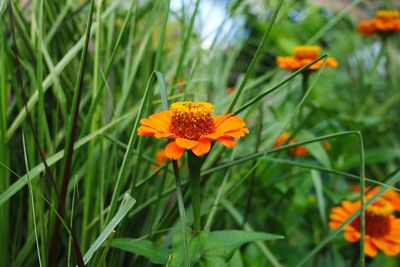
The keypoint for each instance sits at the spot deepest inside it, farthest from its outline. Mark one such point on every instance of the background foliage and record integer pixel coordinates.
(136, 56)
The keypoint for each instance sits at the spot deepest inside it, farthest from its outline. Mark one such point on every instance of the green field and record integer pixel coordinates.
(212, 133)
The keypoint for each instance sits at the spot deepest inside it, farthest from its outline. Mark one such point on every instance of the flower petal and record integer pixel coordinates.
(227, 141)
(388, 247)
(203, 147)
(351, 237)
(173, 151)
(219, 119)
(186, 143)
(370, 249)
(230, 124)
(236, 133)
(146, 131)
(157, 124)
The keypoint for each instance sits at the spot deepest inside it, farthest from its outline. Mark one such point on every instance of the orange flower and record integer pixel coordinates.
(304, 55)
(385, 21)
(191, 126)
(295, 151)
(231, 90)
(326, 144)
(160, 158)
(382, 228)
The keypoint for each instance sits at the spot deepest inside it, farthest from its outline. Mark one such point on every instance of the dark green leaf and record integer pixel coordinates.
(143, 248)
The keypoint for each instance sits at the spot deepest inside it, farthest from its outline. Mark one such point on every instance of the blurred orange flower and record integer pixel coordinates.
(231, 90)
(382, 228)
(304, 55)
(160, 158)
(191, 126)
(385, 21)
(326, 144)
(295, 151)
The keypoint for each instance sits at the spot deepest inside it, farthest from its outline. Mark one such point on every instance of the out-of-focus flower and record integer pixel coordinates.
(160, 158)
(191, 126)
(326, 144)
(230, 90)
(304, 55)
(385, 22)
(382, 228)
(295, 151)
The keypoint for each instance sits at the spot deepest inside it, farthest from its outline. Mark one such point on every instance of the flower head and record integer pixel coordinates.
(191, 126)
(385, 22)
(295, 151)
(304, 55)
(382, 228)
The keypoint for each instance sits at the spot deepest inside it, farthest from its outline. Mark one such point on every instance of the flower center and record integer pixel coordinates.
(377, 220)
(307, 52)
(387, 14)
(192, 119)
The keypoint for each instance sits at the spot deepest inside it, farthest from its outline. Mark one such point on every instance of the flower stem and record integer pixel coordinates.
(304, 82)
(194, 163)
(304, 87)
(181, 207)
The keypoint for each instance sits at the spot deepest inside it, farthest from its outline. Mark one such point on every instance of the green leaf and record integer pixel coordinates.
(223, 244)
(142, 247)
(196, 246)
(127, 204)
(374, 155)
(3, 5)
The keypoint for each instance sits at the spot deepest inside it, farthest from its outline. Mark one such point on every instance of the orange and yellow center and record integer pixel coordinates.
(377, 219)
(192, 119)
(307, 52)
(387, 14)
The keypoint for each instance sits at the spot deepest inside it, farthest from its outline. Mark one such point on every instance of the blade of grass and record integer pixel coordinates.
(182, 213)
(277, 86)
(32, 202)
(126, 206)
(69, 145)
(257, 57)
(326, 170)
(185, 45)
(20, 183)
(57, 70)
(332, 22)
(103, 83)
(320, 195)
(4, 150)
(124, 166)
(92, 165)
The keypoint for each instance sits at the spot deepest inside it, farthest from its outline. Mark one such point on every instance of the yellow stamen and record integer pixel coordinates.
(192, 119)
(387, 14)
(307, 51)
(380, 207)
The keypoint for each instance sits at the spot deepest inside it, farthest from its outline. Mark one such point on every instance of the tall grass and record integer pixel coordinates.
(78, 186)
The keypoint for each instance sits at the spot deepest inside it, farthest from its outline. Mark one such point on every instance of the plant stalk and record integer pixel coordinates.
(194, 164)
